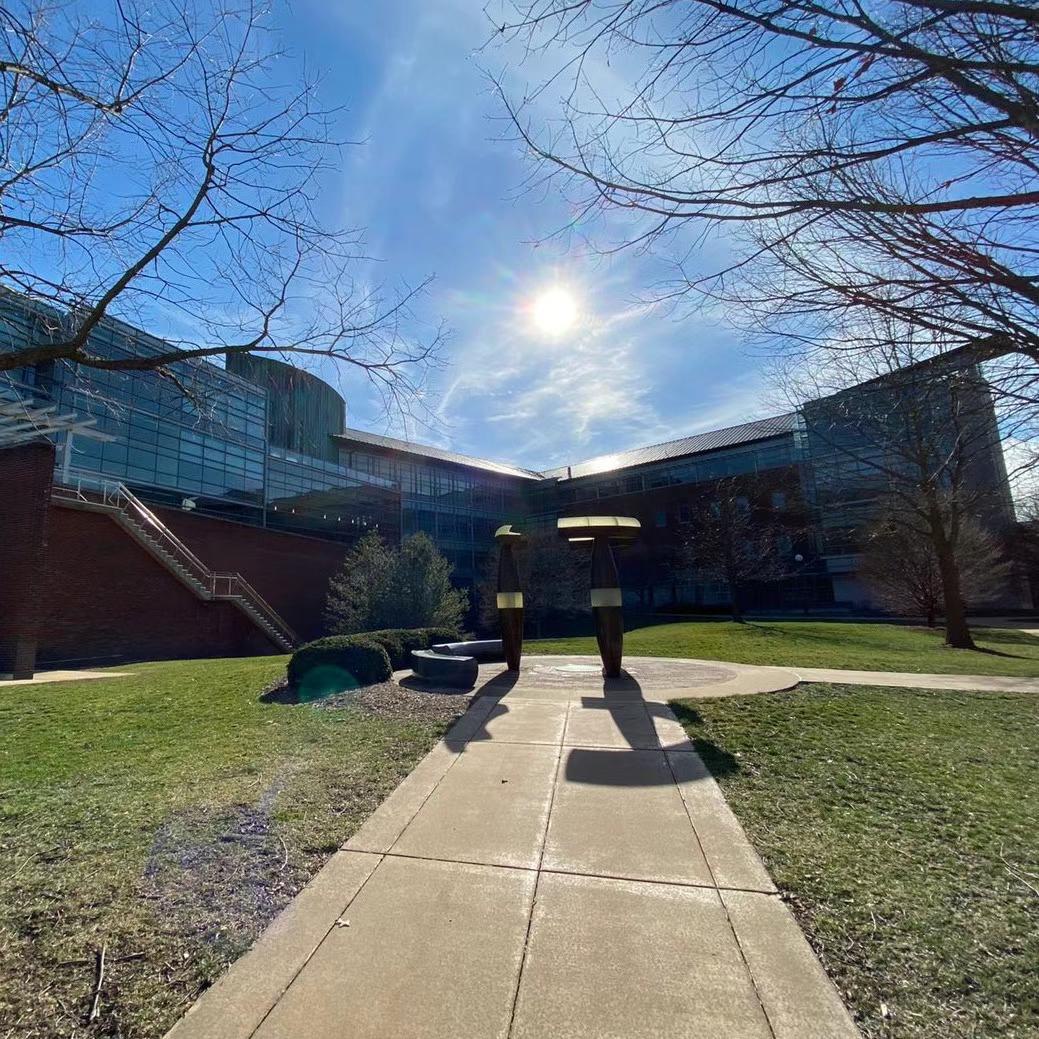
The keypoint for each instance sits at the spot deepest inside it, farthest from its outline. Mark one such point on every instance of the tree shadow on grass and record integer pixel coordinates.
(985, 651)
(1006, 637)
(771, 631)
(718, 760)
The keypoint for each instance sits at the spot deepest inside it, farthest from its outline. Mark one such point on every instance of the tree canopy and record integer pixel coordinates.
(382, 587)
(161, 164)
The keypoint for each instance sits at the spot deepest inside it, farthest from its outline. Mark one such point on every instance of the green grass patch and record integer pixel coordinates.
(167, 816)
(861, 647)
(903, 827)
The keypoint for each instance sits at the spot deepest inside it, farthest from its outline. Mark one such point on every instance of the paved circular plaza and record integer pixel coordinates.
(645, 678)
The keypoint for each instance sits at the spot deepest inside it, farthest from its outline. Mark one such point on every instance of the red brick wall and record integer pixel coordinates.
(106, 600)
(289, 570)
(25, 482)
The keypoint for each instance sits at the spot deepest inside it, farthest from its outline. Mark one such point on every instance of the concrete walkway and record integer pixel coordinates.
(46, 677)
(975, 683)
(561, 866)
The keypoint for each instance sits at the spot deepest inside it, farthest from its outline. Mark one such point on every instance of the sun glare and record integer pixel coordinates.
(554, 311)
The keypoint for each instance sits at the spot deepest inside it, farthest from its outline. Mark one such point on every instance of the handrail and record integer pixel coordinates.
(117, 495)
(247, 591)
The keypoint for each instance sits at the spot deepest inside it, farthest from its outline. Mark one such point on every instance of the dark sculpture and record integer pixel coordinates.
(510, 596)
(606, 590)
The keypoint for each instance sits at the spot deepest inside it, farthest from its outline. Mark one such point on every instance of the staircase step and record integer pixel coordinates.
(199, 584)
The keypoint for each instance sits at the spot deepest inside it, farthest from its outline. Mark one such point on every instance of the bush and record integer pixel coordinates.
(337, 663)
(399, 642)
(437, 635)
(389, 589)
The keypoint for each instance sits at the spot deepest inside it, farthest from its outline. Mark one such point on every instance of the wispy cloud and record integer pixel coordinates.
(441, 193)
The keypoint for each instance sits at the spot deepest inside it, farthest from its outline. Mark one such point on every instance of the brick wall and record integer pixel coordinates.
(289, 570)
(25, 482)
(106, 599)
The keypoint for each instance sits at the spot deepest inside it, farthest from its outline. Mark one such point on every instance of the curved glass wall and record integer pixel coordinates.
(304, 412)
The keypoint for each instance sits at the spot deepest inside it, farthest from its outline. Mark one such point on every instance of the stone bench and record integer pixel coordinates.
(485, 649)
(444, 668)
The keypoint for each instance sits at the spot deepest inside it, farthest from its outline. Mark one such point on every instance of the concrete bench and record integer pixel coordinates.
(445, 669)
(485, 649)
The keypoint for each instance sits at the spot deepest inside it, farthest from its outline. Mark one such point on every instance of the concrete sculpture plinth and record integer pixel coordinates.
(606, 589)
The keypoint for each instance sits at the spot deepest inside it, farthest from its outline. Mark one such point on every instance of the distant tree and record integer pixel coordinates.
(357, 591)
(555, 578)
(418, 590)
(733, 539)
(379, 587)
(915, 439)
(901, 567)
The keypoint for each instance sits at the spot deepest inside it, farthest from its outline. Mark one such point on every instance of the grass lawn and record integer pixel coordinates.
(169, 816)
(863, 647)
(903, 826)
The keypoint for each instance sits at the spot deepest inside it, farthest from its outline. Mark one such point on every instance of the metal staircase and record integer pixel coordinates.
(88, 491)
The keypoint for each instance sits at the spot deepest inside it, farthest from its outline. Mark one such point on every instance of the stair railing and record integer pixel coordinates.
(92, 489)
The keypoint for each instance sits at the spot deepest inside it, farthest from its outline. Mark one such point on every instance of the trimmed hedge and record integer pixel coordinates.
(349, 661)
(399, 642)
(343, 661)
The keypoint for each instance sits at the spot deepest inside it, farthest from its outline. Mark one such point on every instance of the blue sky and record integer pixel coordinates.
(441, 192)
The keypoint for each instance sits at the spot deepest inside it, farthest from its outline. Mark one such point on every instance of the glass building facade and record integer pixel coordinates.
(200, 432)
(459, 505)
(257, 442)
(260, 442)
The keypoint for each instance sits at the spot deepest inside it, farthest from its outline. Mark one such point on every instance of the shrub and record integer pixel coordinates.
(337, 663)
(387, 589)
(396, 643)
(435, 636)
(399, 642)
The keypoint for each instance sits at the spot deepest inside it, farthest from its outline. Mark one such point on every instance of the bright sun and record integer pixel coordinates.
(554, 311)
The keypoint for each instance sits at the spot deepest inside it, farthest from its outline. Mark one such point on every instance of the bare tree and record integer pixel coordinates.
(735, 538)
(901, 569)
(912, 439)
(865, 160)
(160, 164)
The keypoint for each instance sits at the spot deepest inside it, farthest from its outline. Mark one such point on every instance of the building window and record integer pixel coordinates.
(662, 518)
(684, 513)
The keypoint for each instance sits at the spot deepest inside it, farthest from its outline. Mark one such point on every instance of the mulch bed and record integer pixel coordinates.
(384, 699)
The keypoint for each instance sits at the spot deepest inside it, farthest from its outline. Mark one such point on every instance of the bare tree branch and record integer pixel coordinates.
(161, 164)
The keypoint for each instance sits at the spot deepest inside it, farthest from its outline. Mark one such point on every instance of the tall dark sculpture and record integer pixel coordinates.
(510, 596)
(606, 589)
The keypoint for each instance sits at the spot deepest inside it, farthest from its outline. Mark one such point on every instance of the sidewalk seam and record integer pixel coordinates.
(717, 889)
(321, 942)
(436, 785)
(537, 877)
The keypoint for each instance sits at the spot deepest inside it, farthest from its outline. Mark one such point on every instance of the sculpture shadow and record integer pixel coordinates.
(494, 688)
(499, 685)
(717, 759)
(642, 764)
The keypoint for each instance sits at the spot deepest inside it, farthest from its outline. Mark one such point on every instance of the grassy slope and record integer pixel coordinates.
(904, 825)
(865, 647)
(164, 813)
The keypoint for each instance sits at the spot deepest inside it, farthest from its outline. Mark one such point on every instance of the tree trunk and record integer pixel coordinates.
(931, 618)
(957, 631)
(737, 606)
